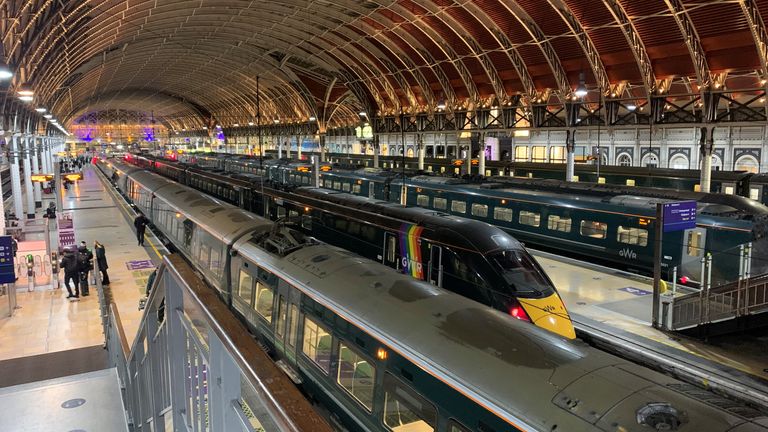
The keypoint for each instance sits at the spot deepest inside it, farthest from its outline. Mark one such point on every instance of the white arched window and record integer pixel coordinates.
(409, 152)
(650, 160)
(717, 163)
(624, 160)
(679, 161)
(747, 163)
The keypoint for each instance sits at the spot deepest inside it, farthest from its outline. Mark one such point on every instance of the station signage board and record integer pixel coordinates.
(42, 178)
(7, 273)
(678, 216)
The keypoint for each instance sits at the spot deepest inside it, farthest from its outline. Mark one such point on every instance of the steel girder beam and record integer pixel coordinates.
(692, 41)
(581, 35)
(759, 33)
(635, 45)
(563, 86)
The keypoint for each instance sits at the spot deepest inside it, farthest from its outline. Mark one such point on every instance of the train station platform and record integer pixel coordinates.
(612, 309)
(46, 321)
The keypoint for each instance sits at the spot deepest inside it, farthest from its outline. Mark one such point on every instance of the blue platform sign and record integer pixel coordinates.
(7, 273)
(679, 216)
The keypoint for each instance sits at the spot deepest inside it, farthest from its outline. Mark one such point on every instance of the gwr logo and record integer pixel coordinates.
(628, 253)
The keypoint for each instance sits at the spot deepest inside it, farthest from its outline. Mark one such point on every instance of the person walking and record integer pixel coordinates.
(70, 266)
(84, 265)
(101, 260)
(141, 225)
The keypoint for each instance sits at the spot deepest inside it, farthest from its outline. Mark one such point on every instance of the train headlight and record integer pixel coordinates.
(381, 354)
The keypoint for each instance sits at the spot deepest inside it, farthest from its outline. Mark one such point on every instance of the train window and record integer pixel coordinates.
(630, 182)
(245, 287)
(728, 190)
(317, 344)
(264, 298)
(356, 189)
(601, 180)
(345, 187)
(440, 203)
(205, 255)
(282, 316)
(633, 236)
(293, 325)
(404, 409)
(337, 185)
(502, 214)
(529, 218)
(694, 243)
(422, 200)
(458, 206)
(356, 375)
(559, 223)
(391, 249)
(454, 426)
(593, 229)
(754, 194)
(480, 210)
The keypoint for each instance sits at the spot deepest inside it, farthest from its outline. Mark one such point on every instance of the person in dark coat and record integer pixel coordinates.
(101, 260)
(141, 225)
(71, 273)
(85, 265)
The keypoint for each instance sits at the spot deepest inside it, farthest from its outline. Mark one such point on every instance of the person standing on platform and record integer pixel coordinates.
(70, 266)
(85, 265)
(101, 260)
(141, 225)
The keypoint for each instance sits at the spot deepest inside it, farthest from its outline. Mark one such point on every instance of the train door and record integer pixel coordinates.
(371, 189)
(286, 327)
(436, 265)
(694, 241)
(390, 256)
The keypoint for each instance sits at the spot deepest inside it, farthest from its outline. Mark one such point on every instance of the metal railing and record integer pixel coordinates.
(710, 305)
(193, 366)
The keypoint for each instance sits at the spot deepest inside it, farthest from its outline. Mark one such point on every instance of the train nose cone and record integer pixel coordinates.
(557, 324)
(549, 313)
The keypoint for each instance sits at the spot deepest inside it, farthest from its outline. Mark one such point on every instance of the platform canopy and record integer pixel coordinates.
(194, 64)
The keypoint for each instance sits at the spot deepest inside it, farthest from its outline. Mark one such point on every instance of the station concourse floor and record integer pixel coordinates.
(46, 321)
(621, 303)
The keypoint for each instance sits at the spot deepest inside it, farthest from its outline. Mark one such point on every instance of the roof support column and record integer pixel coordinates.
(481, 155)
(298, 147)
(322, 146)
(18, 199)
(422, 150)
(707, 139)
(706, 145)
(36, 170)
(571, 117)
(29, 142)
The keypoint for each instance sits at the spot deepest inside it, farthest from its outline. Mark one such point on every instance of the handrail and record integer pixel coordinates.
(263, 373)
(194, 363)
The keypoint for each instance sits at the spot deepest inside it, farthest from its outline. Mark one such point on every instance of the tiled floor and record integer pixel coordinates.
(85, 402)
(47, 321)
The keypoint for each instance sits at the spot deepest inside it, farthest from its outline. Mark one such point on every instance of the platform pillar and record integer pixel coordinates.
(288, 148)
(322, 147)
(422, 152)
(28, 188)
(298, 149)
(279, 149)
(570, 161)
(706, 145)
(469, 159)
(481, 157)
(376, 152)
(36, 170)
(18, 199)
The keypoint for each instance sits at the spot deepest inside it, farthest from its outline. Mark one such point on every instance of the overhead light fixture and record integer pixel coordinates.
(25, 90)
(631, 107)
(277, 121)
(363, 114)
(236, 125)
(40, 109)
(26, 98)
(250, 123)
(312, 118)
(5, 72)
(48, 116)
(205, 127)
